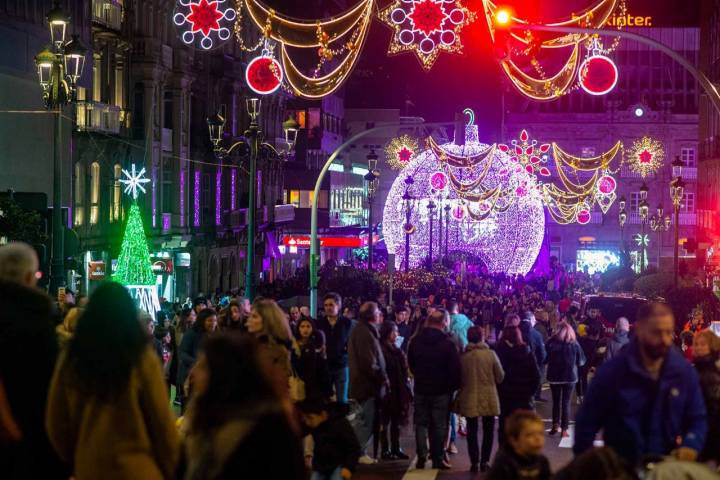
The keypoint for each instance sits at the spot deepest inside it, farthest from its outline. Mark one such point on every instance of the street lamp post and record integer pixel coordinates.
(643, 209)
(659, 224)
(622, 218)
(431, 217)
(253, 140)
(373, 180)
(59, 68)
(677, 191)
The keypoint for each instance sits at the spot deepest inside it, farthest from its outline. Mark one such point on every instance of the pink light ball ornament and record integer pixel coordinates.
(606, 185)
(438, 181)
(583, 216)
(598, 75)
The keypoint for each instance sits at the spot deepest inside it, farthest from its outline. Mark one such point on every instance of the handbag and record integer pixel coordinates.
(297, 387)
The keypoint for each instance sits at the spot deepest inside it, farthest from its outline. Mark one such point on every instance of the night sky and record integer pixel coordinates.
(455, 82)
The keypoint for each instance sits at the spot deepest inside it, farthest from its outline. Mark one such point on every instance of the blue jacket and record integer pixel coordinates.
(534, 340)
(563, 360)
(640, 416)
(459, 326)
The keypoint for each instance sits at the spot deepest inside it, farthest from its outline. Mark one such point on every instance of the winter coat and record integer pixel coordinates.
(188, 352)
(244, 448)
(275, 355)
(367, 363)
(28, 351)
(459, 326)
(522, 377)
(708, 369)
(616, 343)
(510, 466)
(563, 361)
(336, 444)
(311, 367)
(640, 415)
(481, 372)
(131, 437)
(534, 340)
(397, 401)
(336, 340)
(434, 362)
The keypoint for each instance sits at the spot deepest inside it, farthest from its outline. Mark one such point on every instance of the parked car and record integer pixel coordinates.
(612, 306)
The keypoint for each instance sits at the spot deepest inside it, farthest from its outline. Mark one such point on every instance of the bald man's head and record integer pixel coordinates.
(18, 264)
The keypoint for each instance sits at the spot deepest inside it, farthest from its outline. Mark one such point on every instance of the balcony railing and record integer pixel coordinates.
(686, 218)
(98, 117)
(107, 13)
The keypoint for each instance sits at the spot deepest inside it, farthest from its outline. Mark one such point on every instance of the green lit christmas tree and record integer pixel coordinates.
(134, 267)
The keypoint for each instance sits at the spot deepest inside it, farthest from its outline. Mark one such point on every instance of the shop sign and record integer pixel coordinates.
(325, 242)
(96, 270)
(162, 266)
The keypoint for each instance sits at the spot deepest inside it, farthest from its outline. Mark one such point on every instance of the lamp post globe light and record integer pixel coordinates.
(252, 140)
(59, 67)
(677, 192)
(373, 181)
(643, 210)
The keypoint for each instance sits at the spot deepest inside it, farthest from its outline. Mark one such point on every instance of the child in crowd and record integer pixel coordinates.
(521, 457)
(337, 449)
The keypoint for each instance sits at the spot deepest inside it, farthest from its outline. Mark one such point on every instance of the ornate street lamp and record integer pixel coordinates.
(253, 136)
(431, 214)
(677, 192)
(660, 224)
(408, 227)
(643, 209)
(59, 68)
(447, 227)
(622, 218)
(373, 180)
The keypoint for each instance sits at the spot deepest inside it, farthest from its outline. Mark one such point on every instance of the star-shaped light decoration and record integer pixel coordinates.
(203, 21)
(528, 154)
(426, 27)
(646, 156)
(400, 151)
(134, 181)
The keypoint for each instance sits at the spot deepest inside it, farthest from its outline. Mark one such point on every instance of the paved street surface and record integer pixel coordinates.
(559, 452)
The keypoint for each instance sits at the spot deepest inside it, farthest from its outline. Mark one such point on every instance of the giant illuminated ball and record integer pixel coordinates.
(506, 241)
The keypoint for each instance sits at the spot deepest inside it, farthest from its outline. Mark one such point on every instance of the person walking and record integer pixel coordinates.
(533, 338)
(706, 348)
(28, 351)
(270, 327)
(435, 363)
(648, 399)
(459, 323)
(309, 361)
(368, 377)
(478, 397)
(238, 423)
(108, 412)
(396, 403)
(522, 375)
(620, 338)
(564, 358)
(337, 332)
(205, 324)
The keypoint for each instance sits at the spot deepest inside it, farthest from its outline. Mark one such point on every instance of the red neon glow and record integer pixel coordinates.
(404, 154)
(427, 16)
(598, 75)
(327, 242)
(264, 75)
(645, 156)
(204, 17)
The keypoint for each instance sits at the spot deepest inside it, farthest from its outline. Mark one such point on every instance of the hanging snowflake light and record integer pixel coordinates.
(646, 156)
(400, 151)
(204, 23)
(134, 181)
(426, 27)
(597, 74)
(528, 154)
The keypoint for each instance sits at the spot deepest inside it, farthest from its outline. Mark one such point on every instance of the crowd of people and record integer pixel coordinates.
(262, 392)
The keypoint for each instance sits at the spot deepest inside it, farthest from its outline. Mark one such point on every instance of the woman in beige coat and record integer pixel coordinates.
(478, 397)
(108, 412)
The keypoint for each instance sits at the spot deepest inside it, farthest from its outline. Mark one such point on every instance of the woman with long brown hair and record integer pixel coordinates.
(270, 327)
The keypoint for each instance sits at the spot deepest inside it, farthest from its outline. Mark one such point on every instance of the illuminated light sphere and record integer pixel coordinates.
(264, 75)
(506, 241)
(639, 112)
(426, 27)
(606, 185)
(438, 181)
(204, 23)
(583, 216)
(598, 75)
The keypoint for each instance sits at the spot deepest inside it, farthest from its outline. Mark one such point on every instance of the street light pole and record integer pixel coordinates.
(622, 218)
(373, 179)
(677, 192)
(643, 209)
(659, 224)
(447, 228)
(431, 218)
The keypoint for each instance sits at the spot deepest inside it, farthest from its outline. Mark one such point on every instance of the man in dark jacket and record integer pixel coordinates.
(405, 327)
(534, 340)
(367, 371)
(435, 363)
(619, 339)
(336, 329)
(28, 350)
(647, 400)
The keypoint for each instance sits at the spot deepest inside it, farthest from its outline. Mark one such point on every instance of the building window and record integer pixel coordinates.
(167, 186)
(97, 79)
(688, 203)
(634, 202)
(168, 110)
(687, 156)
(94, 193)
(119, 87)
(79, 195)
(205, 198)
(116, 194)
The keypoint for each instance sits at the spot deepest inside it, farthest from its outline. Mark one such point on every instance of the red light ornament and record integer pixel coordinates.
(204, 23)
(598, 74)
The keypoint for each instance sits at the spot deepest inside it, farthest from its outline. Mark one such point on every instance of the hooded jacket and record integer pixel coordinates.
(435, 363)
(640, 415)
(459, 326)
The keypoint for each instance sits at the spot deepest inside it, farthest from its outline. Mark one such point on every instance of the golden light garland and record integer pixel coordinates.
(400, 151)
(646, 156)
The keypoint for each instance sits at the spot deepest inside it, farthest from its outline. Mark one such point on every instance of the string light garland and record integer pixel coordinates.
(204, 23)
(646, 156)
(400, 151)
(426, 27)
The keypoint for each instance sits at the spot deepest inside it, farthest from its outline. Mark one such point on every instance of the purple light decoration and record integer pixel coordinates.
(233, 193)
(196, 199)
(182, 197)
(154, 197)
(167, 221)
(218, 196)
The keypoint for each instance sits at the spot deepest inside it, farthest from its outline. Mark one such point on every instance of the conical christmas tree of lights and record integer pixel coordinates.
(134, 267)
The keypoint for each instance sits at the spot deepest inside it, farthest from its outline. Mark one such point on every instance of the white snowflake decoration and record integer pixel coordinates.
(134, 181)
